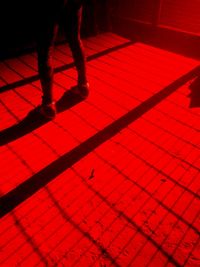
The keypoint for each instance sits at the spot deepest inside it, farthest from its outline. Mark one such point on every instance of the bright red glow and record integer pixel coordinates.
(112, 180)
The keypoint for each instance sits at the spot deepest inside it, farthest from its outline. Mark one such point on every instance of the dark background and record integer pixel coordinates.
(19, 17)
(173, 24)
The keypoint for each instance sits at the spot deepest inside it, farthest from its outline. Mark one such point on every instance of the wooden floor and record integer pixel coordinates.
(113, 180)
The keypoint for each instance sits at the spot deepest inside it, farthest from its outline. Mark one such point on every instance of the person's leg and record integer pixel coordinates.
(45, 46)
(72, 25)
(45, 37)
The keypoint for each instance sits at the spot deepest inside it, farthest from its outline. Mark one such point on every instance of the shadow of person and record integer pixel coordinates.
(34, 119)
(195, 93)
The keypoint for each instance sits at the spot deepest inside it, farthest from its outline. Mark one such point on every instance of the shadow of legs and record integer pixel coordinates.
(35, 120)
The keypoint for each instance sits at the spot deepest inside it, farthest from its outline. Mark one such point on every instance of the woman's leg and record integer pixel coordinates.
(72, 25)
(45, 45)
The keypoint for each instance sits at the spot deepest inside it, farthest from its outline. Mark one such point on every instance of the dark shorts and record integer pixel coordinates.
(52, 13)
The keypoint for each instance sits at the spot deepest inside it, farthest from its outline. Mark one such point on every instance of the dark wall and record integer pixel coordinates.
(169, 24)
(182, 15)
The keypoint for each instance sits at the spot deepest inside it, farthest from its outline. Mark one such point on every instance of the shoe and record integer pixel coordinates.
(81, 90)
(48, 111)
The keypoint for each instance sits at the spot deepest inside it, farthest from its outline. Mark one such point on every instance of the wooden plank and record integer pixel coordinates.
(112, 201)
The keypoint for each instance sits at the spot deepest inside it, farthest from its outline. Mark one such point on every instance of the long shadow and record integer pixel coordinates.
(26, 189)
(29, 187)
(34, 120)
(195, 93)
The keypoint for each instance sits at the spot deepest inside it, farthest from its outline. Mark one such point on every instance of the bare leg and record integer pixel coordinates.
(45, 46)
(72, 24)
(47, 30)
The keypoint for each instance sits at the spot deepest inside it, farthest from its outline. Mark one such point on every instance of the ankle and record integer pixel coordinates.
(47, 101)
(82, 81)
(83, 84)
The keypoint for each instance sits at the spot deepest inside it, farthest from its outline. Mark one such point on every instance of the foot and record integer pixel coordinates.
(81, 90)
(48, 111)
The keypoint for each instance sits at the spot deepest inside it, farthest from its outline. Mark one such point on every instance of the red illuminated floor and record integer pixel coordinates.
(114, 180)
